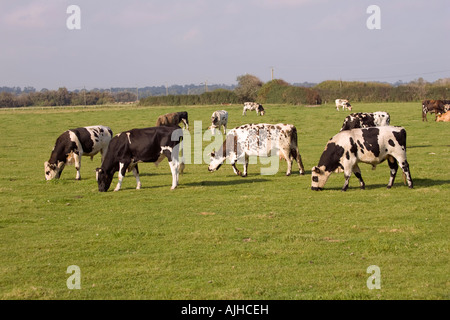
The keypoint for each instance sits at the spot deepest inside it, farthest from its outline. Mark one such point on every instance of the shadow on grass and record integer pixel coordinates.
(418, 183)
(216, 183)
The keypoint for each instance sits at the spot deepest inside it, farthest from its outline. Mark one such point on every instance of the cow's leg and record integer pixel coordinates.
(174, 168)
(224, 129)
(77, 159)
(357, 173)
(394, 167)
(233, 164)
(136, 175)
(122, 170)
(347, 175)
(405, 168)
(296, 155)
(245, 165)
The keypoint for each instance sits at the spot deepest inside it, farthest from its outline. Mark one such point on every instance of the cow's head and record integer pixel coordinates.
(104, 179)
(216, 162)
(53, 170)
(349, 106)
(318, 178)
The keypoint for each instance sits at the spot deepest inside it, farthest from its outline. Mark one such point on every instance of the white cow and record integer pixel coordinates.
(219, 118)
(261, 140)
(250, 106)
(344, 104)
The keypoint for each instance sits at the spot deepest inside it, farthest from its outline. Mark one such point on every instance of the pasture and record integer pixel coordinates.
(220, 236)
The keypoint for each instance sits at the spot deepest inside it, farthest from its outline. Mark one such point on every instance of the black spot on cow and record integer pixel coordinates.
(354, 147)
(401, 138)
(331, 157)
(391, 143)
(370, 136)
(84, 136)
(315, 179)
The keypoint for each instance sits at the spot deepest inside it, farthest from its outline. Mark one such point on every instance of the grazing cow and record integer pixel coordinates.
(369, 145)
(261, 140)
(343, 103)
(250, 106)
(365, 120)
(140, 145)
(72, 145)
(443, 117)
(173, 119)
(219, 118)
(432, 106)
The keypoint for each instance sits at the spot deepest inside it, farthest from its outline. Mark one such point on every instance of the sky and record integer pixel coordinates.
(138, 43)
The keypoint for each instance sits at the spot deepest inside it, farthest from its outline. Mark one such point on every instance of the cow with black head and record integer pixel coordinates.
(129, 148)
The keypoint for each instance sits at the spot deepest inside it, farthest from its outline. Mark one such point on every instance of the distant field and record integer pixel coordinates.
(220, 236)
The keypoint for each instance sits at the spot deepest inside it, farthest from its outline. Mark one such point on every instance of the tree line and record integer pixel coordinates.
(249, 88)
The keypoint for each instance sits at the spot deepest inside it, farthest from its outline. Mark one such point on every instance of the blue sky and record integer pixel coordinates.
(146, 43)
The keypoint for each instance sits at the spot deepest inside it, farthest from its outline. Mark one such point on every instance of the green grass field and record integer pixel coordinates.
(220, 236)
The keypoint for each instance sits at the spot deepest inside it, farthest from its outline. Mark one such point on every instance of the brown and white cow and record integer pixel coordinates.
(263, 140)
(432, 106)
(366, 120)
(343, 103)
(250, 106)
(219, 118)
(369, 145)
(173, 119)
(72, 145)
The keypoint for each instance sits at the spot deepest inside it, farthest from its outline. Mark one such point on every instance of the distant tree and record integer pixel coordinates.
(247, 88)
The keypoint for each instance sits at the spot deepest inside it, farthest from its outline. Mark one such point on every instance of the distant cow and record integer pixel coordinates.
(343, 103)
(250, 106)
(173, 119)
(443, 117)
(72, 145)
(366, 120)
(370, 145)
(258, 140)
(432, 106)
(219, 118)
(129, 148)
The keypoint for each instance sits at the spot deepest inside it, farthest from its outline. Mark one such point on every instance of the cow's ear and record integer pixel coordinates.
(213, 153)
(99, 170)
(316, 169)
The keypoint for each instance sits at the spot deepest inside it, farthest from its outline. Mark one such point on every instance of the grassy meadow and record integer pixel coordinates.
(220, 236)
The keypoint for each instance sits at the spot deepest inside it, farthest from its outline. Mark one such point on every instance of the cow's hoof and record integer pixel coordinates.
(243, 175)
(288, 174)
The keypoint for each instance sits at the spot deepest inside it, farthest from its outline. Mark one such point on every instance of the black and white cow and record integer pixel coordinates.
(72, 145)
(129, 148)
(219, 118)
(370, 145)
(250, 106)
(343, 103)
(366, 120)
(261, 140)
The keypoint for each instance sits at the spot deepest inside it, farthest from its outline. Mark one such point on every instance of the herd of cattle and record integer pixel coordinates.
(364, 137)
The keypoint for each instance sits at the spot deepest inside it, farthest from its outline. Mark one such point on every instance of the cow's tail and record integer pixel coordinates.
(294, 152)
